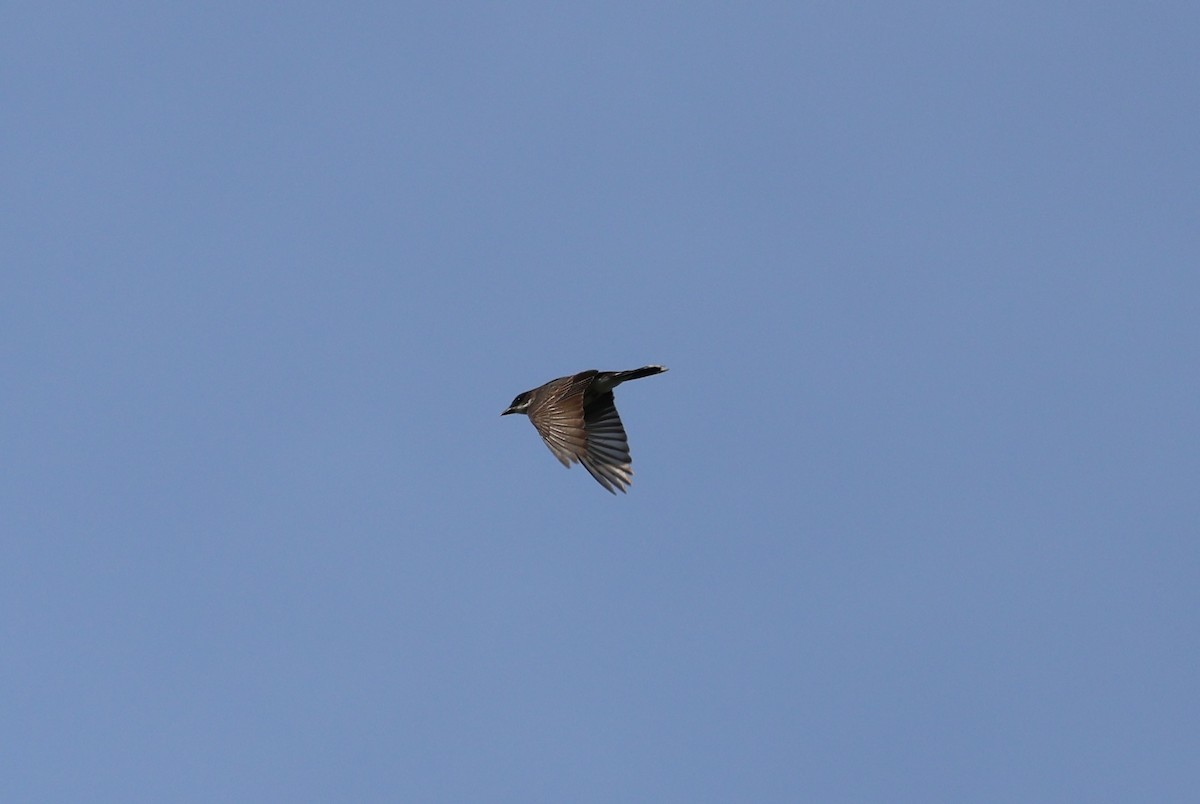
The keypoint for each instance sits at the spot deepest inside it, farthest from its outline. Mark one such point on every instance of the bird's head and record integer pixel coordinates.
(520, 404)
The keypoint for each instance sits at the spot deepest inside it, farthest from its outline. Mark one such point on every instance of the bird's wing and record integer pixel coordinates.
(559, 419)
(607, 456)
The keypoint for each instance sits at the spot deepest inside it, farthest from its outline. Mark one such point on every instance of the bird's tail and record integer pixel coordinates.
(636, 374)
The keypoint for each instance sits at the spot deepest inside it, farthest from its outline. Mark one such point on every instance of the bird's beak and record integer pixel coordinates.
(505, 413)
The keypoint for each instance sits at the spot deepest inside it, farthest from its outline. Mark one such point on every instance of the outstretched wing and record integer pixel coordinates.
(607, 456)
(559, 417)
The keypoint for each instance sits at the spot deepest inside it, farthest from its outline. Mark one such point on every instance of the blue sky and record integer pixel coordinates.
(915, 512)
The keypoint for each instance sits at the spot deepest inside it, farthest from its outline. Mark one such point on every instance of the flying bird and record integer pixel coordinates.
(578, 420)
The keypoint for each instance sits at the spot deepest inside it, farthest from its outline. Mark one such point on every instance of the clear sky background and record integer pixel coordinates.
(916, 510)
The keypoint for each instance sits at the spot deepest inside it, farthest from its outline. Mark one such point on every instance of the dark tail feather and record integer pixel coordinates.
(637, 374)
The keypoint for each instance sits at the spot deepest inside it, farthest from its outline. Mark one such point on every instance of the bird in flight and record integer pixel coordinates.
(578, 420)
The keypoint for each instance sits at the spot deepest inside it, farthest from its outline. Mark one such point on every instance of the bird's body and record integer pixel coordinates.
(578, 420)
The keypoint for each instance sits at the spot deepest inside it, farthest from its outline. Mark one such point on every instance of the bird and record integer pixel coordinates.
(577, 418)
